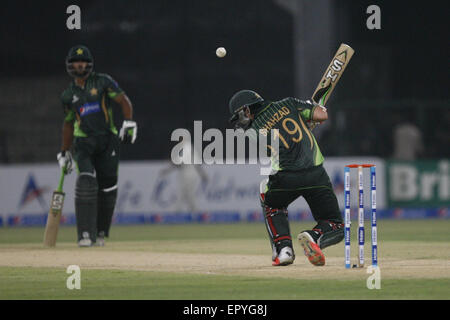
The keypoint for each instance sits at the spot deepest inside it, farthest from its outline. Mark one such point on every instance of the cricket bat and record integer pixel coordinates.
(54, 215)
(332, 74)
(331, 77)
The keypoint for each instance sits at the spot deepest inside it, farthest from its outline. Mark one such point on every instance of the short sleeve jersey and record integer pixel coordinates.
(90, 108)
(298, 149)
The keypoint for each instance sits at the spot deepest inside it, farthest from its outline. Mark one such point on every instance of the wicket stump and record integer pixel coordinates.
(347, 217)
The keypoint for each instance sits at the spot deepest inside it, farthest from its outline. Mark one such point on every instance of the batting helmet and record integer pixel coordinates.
(243, 98)
(240, 100)
(79, 53)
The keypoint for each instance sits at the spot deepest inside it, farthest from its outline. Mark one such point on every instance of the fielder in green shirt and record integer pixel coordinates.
(89, 129)
(297, 172)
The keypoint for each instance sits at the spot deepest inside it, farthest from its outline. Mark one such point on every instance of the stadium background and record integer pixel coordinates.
(162, 55)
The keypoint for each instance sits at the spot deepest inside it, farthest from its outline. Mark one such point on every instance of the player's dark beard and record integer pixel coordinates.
(79, 72)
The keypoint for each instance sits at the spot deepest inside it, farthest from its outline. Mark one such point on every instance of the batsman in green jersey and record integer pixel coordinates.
(89, 128)
(298, 172)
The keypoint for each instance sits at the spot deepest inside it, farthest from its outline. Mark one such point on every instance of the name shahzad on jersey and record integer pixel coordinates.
(88, 108)
(277, 116)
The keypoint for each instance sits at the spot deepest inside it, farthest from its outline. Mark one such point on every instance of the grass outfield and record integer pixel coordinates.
(222, 261)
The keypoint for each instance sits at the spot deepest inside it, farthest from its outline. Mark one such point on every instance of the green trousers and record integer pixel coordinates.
(312, 184)
(99, 154)
(95, 198)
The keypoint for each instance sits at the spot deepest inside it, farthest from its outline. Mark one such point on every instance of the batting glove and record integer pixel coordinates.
(128, 132)
(311, 123)
(65, 161)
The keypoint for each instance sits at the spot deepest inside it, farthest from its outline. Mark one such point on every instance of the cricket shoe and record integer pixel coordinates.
(311, 248)
(85, 243)
(285, 257)
(274, 252)
(100, 242)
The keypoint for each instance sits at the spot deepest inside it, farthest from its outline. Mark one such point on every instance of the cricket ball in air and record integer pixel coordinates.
(221, 52)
